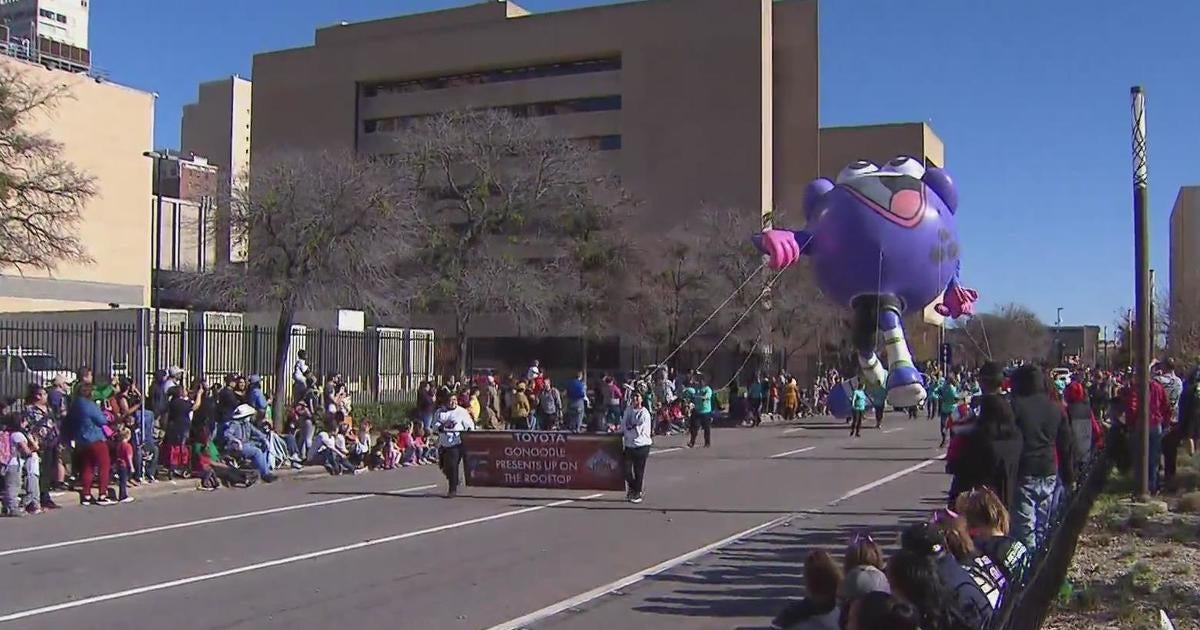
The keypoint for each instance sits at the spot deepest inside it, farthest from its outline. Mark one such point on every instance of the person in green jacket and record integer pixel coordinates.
(858, 404)
(947, 401)
(701, 397)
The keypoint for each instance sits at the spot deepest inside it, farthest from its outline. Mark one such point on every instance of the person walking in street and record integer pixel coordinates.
(701, 397)
(858, 403)
(1045, 431)
(637, 428)
(947, 397)
(450, 421)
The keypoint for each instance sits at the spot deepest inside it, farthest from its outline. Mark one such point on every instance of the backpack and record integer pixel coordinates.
(5, 447)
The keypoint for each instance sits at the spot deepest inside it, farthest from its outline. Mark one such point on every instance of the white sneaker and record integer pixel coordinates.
(105, 501)
(127, 500)
(637, 498)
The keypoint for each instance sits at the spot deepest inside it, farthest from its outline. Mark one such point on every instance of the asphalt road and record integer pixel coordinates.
(718, 543)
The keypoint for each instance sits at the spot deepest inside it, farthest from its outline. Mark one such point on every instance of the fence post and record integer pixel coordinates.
(254, 358)
(371, 366)
(183, 346)
(406, 359)
(95, 347)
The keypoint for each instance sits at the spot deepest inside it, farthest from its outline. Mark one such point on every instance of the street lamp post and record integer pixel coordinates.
(155, 274)
(1058, 347)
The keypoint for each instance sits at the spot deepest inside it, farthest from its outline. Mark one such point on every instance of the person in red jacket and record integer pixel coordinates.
(1160, 413)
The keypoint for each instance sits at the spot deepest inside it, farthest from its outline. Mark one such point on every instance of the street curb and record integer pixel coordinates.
(67, 499)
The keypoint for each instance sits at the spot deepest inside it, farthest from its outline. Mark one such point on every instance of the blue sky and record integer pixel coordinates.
(1030, 97)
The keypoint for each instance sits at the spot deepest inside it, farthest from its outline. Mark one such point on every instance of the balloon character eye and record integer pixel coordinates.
(855, 170)
(905, 166)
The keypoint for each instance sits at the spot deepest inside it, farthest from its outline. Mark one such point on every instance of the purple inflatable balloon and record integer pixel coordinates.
(883, 242)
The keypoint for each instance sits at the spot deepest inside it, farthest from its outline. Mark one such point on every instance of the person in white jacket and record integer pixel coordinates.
(637, 428)
(449, 422)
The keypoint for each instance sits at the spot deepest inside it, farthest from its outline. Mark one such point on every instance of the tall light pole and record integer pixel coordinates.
(1141, 255)
(155, 273)
(1058, 348)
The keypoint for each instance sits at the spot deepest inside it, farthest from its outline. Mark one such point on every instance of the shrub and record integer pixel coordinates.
(1189, 503)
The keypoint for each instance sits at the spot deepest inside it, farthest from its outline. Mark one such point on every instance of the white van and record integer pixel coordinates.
(21, 366)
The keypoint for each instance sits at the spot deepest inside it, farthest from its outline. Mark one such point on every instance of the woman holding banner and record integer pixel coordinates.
(637, 428)
(450, 421)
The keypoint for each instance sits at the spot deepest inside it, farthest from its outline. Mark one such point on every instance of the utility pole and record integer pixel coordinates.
(1141, 254)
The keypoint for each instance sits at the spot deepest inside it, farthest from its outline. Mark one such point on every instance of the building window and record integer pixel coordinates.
(602, 143)
(61, 18)
(503, 75)
(523, 110)
(46, 14)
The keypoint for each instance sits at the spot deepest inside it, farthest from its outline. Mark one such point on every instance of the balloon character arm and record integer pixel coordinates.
(957, 300)
(784, 247)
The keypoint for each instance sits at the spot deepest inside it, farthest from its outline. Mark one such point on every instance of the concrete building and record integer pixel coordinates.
(1185, 253)
(1075, 345)
(879, 143)
(696, 101)
(217, 126)
(188, 177)
(104, 129)
(51, 32)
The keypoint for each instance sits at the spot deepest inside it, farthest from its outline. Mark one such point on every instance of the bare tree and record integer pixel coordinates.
(494, 190)
(599, 256)
(671, 297)
(1011, 332)
(729, 259)
(803, 320)
(42, 195)
(322, 230)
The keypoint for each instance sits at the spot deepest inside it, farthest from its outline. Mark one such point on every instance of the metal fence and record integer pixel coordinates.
(1030, 605)
(380, 364)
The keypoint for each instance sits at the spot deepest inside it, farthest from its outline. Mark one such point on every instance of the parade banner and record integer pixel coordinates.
(543, 459)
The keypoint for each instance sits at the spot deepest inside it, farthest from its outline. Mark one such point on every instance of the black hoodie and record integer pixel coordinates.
(1044, 427)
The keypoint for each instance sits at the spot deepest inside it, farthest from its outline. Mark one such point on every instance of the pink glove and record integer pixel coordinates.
(957, 301)
(781, 246)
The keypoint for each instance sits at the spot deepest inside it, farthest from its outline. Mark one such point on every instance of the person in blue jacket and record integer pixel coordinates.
(87, 424)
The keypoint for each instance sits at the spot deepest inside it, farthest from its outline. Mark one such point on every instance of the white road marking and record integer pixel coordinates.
(879, 482)
(799, 450)
(203, 521)
(795, 430)
(600, 591)
(141, 590)
(896, 430)
(667, 450)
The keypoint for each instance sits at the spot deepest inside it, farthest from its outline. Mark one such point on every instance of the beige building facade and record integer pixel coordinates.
(1185, 255)
(104, 128)
(217, 127)
(879, 143)
(695, 102)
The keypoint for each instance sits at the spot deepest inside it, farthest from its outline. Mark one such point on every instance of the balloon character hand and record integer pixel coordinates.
(957, 301)
(780, 245)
